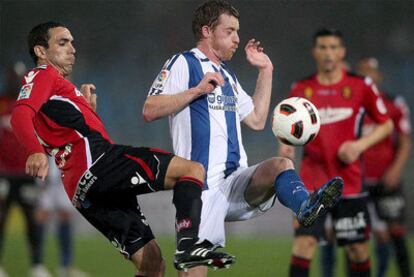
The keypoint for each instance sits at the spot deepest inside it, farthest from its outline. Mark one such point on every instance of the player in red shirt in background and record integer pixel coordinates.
(341, 99)
(383, 167)
(15, 185)
(103, 179)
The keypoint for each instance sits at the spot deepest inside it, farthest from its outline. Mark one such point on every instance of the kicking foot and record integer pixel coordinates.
(320, 201)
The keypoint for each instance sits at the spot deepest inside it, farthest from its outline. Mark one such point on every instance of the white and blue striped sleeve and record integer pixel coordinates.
(246, 105)
(173, 77)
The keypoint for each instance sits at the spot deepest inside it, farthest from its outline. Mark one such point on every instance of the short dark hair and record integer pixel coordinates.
(207, 14)
(39, 35)
(327, 32)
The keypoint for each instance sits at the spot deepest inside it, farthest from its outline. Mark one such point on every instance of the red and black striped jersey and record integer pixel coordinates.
(64, 123)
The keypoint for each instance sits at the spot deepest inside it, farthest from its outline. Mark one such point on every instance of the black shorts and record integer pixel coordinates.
(107, 194)
(390, 206)
(350, 220)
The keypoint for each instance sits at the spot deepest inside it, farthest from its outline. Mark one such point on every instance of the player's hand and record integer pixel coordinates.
(256, 57)
(37, 165)
(209, 82)
(349, 151)
(88, 91)
(391, 179)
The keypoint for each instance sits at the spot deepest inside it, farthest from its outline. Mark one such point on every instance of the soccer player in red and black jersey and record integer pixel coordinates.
(383, 167)
(341, 99)
(102, 179)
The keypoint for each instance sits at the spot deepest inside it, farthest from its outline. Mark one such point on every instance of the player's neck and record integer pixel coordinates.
(329, 78)
(208, 52)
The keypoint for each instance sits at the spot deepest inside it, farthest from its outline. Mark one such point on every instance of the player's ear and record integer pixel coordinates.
(40, 51)
(205, 31)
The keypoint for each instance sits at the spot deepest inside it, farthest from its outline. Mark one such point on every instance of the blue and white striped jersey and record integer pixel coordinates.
(208, 130)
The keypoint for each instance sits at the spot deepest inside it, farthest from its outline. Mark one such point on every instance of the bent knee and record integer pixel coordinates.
(196, 170)
(281, 164)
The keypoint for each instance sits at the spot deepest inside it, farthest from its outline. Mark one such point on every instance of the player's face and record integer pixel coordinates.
(225, 39)
(366, 68)
(328, 53)
(61, 52)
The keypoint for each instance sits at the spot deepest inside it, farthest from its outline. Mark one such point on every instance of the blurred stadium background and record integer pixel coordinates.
(121, 46)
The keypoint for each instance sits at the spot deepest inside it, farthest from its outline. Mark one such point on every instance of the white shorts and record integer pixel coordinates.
(53, 196)
(226, 202)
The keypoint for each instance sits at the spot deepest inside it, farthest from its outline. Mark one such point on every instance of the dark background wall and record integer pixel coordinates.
(121, 46)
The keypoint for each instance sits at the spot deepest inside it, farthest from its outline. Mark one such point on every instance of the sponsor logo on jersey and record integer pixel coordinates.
(346, 92)
(308, 92)
(25, 91)
(331, 115)
(182, 224)
(222, 102)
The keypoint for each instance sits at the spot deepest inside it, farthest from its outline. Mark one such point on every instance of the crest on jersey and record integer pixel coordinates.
(77, 92)
(346, 92)
(25, 91)
(308, 92)
(160, 81)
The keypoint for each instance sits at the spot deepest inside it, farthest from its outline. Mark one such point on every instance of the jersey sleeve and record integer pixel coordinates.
(373, 103)
(37, 87)
(173, 77)
(246, 105)
(402, 122)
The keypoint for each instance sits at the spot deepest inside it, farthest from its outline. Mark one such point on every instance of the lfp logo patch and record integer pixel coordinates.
(25, 91)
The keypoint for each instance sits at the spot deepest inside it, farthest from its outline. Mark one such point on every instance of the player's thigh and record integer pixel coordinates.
(306, 238)
(179, 167)
(235, 188)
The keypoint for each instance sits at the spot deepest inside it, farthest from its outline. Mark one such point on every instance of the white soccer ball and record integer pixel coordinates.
(295, 121)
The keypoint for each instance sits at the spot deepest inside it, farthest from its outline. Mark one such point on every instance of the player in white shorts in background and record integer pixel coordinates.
(53, 203)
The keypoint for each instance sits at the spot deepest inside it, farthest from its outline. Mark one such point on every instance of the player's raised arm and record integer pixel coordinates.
(256, 120)
(159, 105)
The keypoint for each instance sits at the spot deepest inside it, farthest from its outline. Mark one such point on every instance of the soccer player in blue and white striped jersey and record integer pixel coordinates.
(205, 103)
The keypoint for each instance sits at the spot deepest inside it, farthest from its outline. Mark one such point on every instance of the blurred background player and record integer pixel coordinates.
(15, 185)
(53, 201)
(340, 97)
(384, 164)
